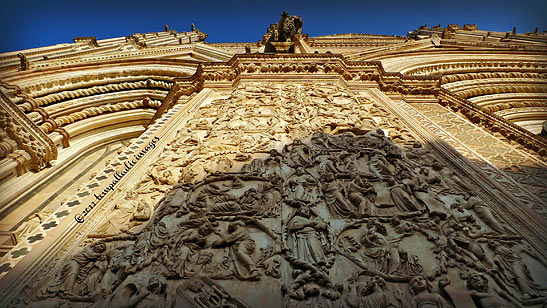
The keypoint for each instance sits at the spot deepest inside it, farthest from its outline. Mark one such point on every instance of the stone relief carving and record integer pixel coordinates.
(349, 219)
(30, 224)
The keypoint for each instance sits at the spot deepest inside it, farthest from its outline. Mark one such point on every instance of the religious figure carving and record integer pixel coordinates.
(422, 297)
(401, 198)
(125, 216)
(307, 237)
(483, 212)
(30, 224)
(333, 191)
(76, 277)
(190, 241)
(385, 204)
(362, 195)
(513, 271)
(374, 294)
(301, 187)
(242, 248)
(382, 250)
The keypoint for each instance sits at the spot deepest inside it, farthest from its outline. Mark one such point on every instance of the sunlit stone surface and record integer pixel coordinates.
(348, 170)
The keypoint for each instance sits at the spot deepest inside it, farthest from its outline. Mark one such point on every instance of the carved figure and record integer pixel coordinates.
(483, 212)
(134, 295)
(206, 297)
(326, 165)
(271, 196)
(189, 244)
(378, 165)
(242, 248)
(307, 234)
(175, 201)
(479, 295)
(461, 242)
(381, 249)
(333, 191)
(373, 294)
(214, 197)
(150, 245)
(24, 62)
(302, 187)
(401, 198)
(288, 27)
(77, 270)
(513, 271)
(422, 297)
(32, 222)
(125, 216)
(362, 195)
(422, 191)
(299, 154)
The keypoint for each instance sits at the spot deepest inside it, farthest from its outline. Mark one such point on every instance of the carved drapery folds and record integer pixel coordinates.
(267, 200)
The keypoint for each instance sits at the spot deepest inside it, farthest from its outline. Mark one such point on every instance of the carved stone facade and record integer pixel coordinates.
(279, 175)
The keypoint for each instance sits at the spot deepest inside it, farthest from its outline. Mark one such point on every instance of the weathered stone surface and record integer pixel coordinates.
(335, 171)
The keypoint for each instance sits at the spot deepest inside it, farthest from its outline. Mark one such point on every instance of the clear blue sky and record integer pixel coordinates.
(31, 23)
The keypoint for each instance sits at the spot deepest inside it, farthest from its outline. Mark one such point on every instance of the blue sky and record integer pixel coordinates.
(28, 24)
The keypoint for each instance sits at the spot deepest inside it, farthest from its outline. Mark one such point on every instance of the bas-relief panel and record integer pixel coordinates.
(289, 195)
(525, 170)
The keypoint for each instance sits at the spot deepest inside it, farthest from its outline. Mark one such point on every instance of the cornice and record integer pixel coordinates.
(494, 45)
(489, 75)
(524, 113)
(497, 108)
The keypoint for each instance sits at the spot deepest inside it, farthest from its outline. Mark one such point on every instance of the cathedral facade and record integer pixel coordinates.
(348, 170)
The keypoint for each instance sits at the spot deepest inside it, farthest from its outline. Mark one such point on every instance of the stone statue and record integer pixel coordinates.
(25, 63)
(284, 31)
(288, 27)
